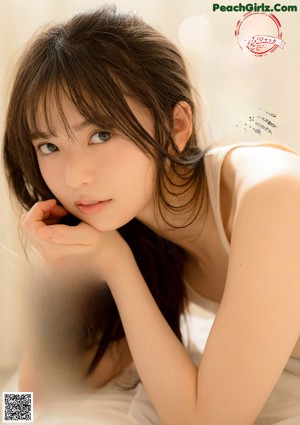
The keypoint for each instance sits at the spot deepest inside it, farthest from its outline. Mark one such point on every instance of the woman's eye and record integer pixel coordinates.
(101, 137)
(47, 148)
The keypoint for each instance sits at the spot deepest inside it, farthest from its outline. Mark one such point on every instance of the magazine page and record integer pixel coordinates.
(243, 65)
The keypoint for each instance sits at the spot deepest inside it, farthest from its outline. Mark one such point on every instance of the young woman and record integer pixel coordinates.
(101, 149)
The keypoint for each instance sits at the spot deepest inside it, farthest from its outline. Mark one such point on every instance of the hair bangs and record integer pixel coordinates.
(99, 96)
(102, 102)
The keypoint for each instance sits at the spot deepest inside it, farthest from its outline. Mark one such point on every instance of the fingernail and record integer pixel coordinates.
(46, 232)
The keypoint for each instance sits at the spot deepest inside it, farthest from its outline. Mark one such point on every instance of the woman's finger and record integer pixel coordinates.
(82, 234)
(39, 212)
(58, 211)
(56, 214)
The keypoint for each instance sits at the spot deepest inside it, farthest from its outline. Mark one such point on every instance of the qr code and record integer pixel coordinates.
(17, 407)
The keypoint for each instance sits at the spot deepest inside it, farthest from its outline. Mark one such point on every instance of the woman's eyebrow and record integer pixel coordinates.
(81, 125)
(36, 135)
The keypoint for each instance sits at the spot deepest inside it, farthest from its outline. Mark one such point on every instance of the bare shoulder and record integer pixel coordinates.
(253, 164)
(246, 168)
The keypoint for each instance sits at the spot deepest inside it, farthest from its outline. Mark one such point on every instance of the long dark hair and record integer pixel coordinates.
(97, 59)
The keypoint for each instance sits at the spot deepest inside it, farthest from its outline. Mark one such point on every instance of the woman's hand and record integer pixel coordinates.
(63, 246)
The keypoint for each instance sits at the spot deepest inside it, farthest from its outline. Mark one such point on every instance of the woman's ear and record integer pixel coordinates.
(182, 124)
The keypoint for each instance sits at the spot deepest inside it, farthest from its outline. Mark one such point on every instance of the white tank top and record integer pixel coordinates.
(213, 162)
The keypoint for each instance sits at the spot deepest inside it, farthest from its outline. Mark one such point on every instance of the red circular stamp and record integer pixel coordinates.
(259, 33)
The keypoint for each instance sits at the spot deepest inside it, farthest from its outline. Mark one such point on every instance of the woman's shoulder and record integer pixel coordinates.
(247, 167)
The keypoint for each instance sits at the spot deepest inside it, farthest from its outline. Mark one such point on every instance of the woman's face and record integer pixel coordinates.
(101, 177)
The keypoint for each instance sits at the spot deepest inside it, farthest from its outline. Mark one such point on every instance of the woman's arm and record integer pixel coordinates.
(255, 329)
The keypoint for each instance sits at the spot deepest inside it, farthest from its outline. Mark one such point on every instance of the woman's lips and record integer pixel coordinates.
(92, 207)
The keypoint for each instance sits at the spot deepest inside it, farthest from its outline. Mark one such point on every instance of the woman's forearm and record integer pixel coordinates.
(166, 370)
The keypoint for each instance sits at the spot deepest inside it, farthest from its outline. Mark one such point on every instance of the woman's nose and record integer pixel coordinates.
(79, 171)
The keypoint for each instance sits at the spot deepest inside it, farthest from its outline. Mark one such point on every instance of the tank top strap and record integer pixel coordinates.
(213, 161)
